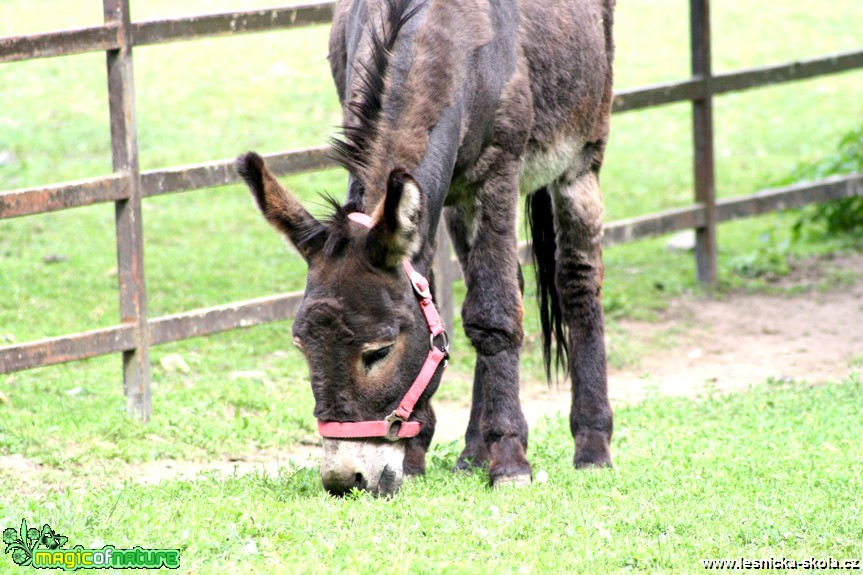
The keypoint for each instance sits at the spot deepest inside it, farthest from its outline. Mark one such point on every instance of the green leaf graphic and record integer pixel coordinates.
(18, 543)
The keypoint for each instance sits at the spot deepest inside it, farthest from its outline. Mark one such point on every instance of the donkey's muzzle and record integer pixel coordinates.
(374, 466)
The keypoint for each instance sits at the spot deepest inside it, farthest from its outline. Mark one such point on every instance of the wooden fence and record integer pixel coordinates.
(128, 186)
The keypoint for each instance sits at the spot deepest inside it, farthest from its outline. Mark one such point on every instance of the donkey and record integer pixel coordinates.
(453, 109)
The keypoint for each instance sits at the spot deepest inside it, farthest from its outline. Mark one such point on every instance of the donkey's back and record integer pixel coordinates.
(569, 50)
(472, 56)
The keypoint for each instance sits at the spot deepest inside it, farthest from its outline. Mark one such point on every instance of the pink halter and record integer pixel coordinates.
(405, 428)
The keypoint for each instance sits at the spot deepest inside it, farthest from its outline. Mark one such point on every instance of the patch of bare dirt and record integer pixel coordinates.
(811, 330)
(265, 462)
(35, 479)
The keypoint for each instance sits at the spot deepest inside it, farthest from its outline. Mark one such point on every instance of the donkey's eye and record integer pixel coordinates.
(372, 357)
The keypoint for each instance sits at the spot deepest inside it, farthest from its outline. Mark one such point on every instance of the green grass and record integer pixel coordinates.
(735, 480)
(774, 472)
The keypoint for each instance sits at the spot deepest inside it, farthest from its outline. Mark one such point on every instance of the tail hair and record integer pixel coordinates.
(539, 217)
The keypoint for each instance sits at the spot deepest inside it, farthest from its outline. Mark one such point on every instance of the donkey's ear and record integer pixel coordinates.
(395, 232)
(281, 209)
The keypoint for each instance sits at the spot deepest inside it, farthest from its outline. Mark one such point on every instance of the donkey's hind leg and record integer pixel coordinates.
(577, 202)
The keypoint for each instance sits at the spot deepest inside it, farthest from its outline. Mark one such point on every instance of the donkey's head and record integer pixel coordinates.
(359, 325)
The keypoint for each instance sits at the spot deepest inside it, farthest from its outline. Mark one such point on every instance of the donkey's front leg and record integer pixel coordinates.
(492, 317)
(578, 228)
(415, 450)
(475, 453)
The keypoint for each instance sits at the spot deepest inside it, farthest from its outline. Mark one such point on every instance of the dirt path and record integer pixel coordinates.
(729, 343)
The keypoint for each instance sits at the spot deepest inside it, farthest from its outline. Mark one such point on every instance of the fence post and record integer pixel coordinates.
(130, 243)
(702, 128)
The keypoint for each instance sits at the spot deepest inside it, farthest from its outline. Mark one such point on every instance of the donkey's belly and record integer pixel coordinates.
(542, 164)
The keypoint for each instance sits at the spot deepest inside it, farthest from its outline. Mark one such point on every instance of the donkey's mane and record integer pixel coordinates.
(353, 152)
(334, 229)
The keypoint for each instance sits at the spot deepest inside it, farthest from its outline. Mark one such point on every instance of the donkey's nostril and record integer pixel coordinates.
(340, 484)
(360, 482)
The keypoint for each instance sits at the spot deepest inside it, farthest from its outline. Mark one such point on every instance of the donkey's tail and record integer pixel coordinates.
(539, 213)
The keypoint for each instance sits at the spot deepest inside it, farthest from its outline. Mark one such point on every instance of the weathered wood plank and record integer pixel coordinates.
(208, 25)
(66, 348)
(221, 172)
(212, 320)
(18, 203)
(59, 43)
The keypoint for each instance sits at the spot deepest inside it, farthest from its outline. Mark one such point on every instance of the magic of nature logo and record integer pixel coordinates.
(43, 549)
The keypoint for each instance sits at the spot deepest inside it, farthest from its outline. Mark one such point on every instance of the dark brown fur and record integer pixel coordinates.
(467, 103)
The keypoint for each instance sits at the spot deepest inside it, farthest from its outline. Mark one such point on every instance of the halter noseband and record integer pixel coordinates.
(387, 427)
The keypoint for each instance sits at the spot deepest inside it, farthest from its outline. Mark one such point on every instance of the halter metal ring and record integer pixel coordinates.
(393, 434)
(445, 347)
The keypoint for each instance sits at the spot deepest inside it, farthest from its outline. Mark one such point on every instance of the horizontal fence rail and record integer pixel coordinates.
(194, 27)
(217, 319)
(66, 348)
(118, 35)
(689, 217)
(210, 175)
(63, 43)
(108, 37)
(112, 188)
(63, 196)
(219, 173)
(745, 79)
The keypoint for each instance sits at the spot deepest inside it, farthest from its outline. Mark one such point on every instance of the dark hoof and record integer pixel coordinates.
(471, 458)
(512, 481)
(509, 465)
(592, 464)
(592, 451)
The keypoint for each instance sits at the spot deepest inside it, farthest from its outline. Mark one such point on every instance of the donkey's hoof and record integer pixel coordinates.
(592, 458)
(592, 464)
(592, 451)
(508, 464)
(512, 481)
(471, 458)
(469, 464)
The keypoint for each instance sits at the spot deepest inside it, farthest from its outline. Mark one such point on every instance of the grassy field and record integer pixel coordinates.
(772, 473)
(685, 487)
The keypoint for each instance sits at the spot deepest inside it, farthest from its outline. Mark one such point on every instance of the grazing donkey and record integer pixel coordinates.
(453, 108)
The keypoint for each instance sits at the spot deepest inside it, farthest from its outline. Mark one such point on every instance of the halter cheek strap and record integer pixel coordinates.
(396, 426)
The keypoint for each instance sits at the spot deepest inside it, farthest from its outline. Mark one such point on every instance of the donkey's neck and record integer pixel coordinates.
(402, 103)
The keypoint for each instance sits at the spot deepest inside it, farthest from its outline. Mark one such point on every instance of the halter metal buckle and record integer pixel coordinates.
(391, 419)
(420, 285)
